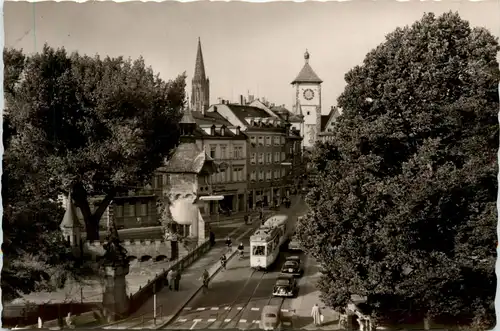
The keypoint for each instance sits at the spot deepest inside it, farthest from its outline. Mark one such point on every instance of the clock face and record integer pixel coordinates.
(308, 94)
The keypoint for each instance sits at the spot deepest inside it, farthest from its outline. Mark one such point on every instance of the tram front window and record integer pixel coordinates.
(258, 250)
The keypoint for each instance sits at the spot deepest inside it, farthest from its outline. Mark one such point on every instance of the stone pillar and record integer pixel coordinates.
(115, 299)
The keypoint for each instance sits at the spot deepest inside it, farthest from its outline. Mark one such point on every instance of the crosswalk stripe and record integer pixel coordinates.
(287, 323)
(227, 320)
(182, 320)
(211, 320)
(187, 308)
(201, 308)
(214, 308)
(255, 308)
(255, 321)
(243, 321)
(227, 308)
(240, 308)
(197, 320)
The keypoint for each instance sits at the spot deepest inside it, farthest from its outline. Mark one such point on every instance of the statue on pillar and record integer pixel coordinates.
(116, 267)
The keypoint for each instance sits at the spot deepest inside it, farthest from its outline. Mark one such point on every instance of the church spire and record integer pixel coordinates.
(200, 95)
(199, 68)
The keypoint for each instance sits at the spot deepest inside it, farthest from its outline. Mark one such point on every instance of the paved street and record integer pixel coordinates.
(237, 295)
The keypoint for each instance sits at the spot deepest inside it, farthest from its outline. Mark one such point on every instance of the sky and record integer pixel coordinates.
(255, 48)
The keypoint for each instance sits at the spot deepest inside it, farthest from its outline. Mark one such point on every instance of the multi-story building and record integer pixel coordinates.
(327, 122)
(227, 145)
(307, 102)
(268, 163)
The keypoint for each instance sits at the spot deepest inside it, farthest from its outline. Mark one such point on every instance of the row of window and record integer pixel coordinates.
(234, 174)
(224, 153)
(133, 210)
(278, 157)
(277, 140)
(262, 175)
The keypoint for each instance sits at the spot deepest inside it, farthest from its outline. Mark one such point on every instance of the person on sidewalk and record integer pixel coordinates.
(170, 279)
(69, 321)
(173, 276)
(212, 238)
(229, 243)
(245, 218)
(223, 261)
(316, 315)
(205, 277)
(177, 280)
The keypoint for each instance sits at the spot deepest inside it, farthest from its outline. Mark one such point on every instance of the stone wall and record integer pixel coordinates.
(153, 248)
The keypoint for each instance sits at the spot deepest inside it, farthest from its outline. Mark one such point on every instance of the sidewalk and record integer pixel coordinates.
(168, 302)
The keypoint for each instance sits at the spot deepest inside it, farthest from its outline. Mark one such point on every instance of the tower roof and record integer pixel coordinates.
(307, 74)
(187, 117)
(70, 220)
(199, 68)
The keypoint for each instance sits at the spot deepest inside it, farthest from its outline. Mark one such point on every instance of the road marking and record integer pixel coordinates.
(285, 310)
(210, 320)
(194, 324)
(255, 321)
(197, 320)
(240, 308)
(255, 308)
(243, 321)
(287, 323)
(227, 320)
(214, 308)
(187, 308)
(182, 320)
(227, 308)
(201, 308)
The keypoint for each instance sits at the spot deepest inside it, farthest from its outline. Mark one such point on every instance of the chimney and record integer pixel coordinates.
(215, 108)
(219, 100)
(238, 131)
(331, 108)
(223, 130)
(212, 130)
(250, 98)
(242, 100)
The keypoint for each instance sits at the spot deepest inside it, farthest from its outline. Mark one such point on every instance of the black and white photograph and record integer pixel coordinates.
(250, 165)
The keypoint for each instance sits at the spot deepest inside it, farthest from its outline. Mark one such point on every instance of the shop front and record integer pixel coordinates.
(234, 198)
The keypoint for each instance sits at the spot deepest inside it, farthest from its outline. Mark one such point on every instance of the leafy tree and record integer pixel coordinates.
(404, 198)
(96, 126)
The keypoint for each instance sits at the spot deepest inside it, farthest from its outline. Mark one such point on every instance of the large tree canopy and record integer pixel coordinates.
(93, 126)
(403, 199)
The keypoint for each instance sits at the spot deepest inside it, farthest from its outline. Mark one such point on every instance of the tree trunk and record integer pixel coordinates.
(91, 219)
(427, 323)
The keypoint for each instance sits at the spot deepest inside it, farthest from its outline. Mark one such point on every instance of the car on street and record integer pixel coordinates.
(270, 318)
(292, 266)
(294, 244)
(285, 286)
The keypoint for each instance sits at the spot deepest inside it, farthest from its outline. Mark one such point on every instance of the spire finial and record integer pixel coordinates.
(306, 56)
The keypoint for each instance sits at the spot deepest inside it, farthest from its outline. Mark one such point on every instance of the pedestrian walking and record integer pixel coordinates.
(223, 261)
(177, 281)
(245, 218)
(173, 276)
(212, 238)
(316, 315)
(69, 321)
(170, 278)
(40, 322)
(205, 277)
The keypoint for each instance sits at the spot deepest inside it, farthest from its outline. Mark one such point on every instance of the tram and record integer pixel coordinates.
(265, 243)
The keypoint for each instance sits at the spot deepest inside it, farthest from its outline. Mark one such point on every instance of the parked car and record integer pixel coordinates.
(292, 266)
(270, 318)
(285, 286)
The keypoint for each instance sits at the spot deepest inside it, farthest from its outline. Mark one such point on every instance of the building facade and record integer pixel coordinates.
(307, 102)
(267, 151)
(327, 124)
(227, 146)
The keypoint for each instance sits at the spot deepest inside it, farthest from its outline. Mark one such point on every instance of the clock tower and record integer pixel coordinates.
(307, 102)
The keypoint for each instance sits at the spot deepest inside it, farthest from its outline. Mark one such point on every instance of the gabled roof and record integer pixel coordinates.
(286, 115)
(307, 75)
(243, 112)
(210, 118)
(187, 158)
